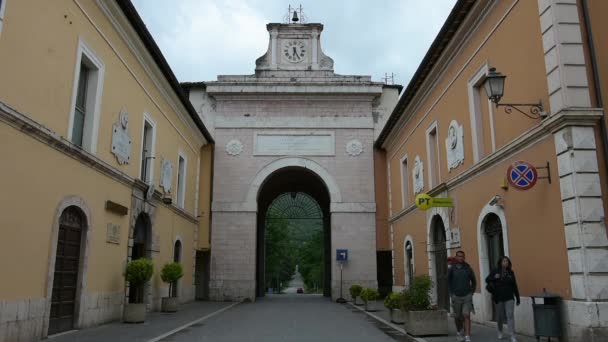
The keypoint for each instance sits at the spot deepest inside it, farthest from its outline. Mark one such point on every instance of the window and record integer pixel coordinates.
(432, 146)
(480, 108)
(147, 150)
(181, 180)
(405, 188)
(84, 115)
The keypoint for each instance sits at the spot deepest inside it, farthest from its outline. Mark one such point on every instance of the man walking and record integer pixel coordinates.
(462, 284)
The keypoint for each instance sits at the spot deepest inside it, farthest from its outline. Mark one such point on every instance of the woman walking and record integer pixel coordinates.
(503, 286)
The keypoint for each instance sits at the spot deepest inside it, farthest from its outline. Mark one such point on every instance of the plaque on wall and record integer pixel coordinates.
(315, 143)
(121, 141)
(166, 174)
(113, 233)
(156, 243)
(454, 145)
(418, 175)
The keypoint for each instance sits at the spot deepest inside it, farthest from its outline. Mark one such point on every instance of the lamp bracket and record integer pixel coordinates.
(535, 110)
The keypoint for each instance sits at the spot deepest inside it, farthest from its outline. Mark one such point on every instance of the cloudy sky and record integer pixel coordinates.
(205, 38)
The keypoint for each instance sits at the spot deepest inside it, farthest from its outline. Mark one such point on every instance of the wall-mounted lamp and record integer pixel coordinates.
(495, 200)
(495, 89)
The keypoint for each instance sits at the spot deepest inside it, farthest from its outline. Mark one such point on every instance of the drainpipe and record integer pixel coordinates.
(596, 80)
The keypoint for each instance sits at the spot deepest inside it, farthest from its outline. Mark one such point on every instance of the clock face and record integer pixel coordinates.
(294, 51)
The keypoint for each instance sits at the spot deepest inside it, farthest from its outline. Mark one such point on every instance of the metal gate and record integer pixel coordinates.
(65, 280)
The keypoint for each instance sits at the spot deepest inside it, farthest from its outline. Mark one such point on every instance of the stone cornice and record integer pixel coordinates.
(552, 124)
(41, 133)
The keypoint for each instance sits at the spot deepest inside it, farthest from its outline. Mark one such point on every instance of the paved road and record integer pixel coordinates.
(288, 318)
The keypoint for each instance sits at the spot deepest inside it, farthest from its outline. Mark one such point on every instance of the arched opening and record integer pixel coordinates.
(440, 259)
(293, 203)
(72, 224)
(409, 263)
(492, 232)
(142, 245)
(177, 257)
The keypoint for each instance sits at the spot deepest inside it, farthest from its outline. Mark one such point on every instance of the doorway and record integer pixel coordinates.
(67, 270)
(492, 228)
(293, 204)
(440, 253)
(177, 257)
(142, 243)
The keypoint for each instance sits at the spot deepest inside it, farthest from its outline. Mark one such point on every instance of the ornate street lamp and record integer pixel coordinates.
(495, 89)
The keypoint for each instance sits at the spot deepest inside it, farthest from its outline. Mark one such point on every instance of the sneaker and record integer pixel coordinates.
(500, 335)
(467, 339)
(513, 339)
(459, 336)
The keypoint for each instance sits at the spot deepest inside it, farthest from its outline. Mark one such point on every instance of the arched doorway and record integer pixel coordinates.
(409, 263)
(142, 244)
(492, 231)
(72, 224)
(177, 257)
(440, 257)
(295, 199)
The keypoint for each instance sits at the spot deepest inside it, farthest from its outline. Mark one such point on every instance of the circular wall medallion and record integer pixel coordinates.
(124, 118)
(234, 147)
(354, 148)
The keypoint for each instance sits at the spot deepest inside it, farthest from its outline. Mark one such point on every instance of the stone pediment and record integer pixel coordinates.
(294, 47)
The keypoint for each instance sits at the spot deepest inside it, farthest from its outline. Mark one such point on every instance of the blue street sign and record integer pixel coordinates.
(341, 255)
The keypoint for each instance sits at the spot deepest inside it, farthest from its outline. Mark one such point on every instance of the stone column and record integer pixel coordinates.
(564, 56)
(586, 315)
(315, 50)
(273, 49)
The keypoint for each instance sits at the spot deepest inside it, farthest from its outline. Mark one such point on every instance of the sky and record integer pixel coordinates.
(204, 38)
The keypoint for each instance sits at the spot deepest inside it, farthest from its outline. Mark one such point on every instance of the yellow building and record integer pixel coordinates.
(448, 139)
(103, 160)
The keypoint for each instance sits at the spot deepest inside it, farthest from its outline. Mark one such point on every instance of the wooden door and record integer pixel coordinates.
(441, 264)
(65, 280)
(494, 239)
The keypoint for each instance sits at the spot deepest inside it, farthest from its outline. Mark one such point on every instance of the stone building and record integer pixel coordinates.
(293, 126)
(448, 139)
(104, 160)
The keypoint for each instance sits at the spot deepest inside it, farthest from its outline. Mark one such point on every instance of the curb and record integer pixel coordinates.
(187, 325)
(387, 323)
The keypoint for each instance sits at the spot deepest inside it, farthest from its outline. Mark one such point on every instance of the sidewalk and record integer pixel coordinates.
(480, 332)
(156, 326)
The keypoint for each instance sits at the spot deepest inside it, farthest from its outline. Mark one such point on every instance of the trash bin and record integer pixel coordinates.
(547, 316)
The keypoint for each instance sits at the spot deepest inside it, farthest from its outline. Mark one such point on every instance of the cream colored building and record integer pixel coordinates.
(447, 139)
(96, 138)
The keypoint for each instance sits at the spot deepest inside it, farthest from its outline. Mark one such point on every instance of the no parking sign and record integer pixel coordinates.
(522, 175)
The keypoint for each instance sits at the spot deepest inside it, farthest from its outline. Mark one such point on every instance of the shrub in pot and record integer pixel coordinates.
(138, 273)
(421, 319)
(394, 302)
(369, 296)
(170, 274)
(355, 293)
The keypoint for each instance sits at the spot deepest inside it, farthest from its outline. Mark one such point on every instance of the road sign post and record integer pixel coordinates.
(341, 258)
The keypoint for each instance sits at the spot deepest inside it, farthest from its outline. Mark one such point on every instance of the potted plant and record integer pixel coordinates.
(369, 296)
(394, 303)
(355, 293)
(421, 319)
(170, 274)
(138, 273)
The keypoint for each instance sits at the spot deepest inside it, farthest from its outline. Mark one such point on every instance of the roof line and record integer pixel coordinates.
(459, 12)
(140, 27)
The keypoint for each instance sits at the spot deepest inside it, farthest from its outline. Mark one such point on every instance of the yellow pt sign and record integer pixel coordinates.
(425, 202)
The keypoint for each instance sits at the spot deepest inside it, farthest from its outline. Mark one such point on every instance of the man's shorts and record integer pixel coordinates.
(462, 305)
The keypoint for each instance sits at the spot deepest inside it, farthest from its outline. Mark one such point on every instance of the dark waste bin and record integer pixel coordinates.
(547, 316)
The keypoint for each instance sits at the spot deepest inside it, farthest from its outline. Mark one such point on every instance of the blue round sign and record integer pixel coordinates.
(522, 175)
